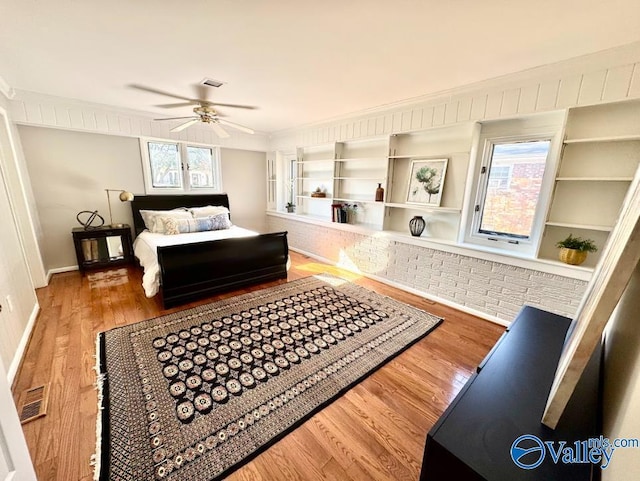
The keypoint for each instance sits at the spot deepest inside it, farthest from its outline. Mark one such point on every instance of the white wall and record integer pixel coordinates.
(243, 178)
(622, 382)
(69, 171)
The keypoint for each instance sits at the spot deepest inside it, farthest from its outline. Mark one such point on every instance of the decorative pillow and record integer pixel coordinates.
(200, 224)
(154, 219)
(208, 210)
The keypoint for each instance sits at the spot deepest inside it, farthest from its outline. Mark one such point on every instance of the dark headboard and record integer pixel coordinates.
(168, 202)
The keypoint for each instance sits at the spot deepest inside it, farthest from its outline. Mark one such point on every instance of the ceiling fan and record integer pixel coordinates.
(204, 111)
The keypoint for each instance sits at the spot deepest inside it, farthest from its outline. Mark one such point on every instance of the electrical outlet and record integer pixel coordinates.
(10, 303)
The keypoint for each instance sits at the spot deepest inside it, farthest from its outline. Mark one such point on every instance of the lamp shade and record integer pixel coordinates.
(126, 196)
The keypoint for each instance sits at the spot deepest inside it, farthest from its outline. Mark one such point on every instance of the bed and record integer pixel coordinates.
(197, 268)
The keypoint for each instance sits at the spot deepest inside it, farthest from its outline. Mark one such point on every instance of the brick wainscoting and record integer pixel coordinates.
(492, 288)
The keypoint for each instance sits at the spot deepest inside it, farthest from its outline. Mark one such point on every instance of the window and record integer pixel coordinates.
(509, 205)
(514, 183)
(166, 172)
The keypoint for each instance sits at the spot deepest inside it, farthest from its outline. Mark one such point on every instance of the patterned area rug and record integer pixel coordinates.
(195, 394)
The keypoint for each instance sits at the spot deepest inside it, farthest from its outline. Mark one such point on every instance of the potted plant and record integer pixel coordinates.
(573, 250)
(291, 207)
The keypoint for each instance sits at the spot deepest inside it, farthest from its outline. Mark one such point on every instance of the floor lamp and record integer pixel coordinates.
(124, 197)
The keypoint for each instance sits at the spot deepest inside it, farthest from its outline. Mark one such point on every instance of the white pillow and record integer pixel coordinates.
(208, 210)
(153, 219)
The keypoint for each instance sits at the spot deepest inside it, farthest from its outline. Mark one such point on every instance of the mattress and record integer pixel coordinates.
(145, 248)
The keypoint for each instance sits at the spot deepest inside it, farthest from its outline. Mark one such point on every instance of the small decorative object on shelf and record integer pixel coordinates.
(417, 225)
(318, 193)
(91, 221)
(573, 250)
(291, 207)
(380, 193)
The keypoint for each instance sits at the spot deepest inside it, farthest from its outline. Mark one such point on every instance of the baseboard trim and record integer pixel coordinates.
(411, 290)
(14, 367)
(58, 270)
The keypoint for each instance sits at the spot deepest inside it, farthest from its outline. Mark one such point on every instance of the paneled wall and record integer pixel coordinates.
(42, 110)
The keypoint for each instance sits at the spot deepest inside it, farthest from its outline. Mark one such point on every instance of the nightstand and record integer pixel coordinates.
(102, 247)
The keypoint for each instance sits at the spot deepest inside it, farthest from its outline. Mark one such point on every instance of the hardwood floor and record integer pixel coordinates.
(376, 431)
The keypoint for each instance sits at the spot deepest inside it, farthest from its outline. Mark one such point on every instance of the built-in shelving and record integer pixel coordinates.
(599, 159)
(600, 156)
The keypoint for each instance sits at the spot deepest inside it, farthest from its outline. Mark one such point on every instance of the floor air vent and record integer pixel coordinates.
(33, 403)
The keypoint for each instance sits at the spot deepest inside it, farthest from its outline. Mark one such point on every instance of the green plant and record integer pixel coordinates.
(290, 204)
(577, 243)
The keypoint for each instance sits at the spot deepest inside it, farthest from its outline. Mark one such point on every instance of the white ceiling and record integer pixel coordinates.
(299, 61)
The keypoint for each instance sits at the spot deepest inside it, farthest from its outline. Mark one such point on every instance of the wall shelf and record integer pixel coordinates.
(611, 138)
(313, 161)
(361, 201)
(362, 159)
(424, 208)
(601, 228)
(594, 179)
(373, 179)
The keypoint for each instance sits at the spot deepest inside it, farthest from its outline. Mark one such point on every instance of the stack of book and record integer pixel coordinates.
(338, 213)
(344, 213)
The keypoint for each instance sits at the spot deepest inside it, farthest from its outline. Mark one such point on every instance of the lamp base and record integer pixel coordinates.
(116, 226)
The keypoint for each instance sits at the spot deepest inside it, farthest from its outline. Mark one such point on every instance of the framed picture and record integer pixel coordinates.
(426, 181)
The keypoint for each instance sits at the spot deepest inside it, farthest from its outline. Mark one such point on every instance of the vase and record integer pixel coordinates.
(379, 193)
(572, 256)
(417, 225)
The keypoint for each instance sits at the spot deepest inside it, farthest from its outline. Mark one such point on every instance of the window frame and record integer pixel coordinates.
(185, 174)
(507, 134)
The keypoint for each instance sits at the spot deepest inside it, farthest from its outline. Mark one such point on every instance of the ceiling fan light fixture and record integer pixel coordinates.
(211, 82)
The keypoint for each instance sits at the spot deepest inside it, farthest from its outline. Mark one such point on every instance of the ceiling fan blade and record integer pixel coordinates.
(179, 118)
(160, 92)
(179, 104)
(237, 126)
(185, 125)
(220, 132)
(235, 106)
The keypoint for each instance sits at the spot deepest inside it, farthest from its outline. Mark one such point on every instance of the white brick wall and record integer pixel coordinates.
(496, 289)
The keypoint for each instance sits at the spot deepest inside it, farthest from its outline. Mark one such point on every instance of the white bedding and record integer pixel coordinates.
(145, 248)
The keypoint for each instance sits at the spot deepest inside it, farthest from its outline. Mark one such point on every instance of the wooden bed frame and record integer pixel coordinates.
(194, 271)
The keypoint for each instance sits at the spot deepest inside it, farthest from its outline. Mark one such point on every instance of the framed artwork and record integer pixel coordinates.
(426, 181)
